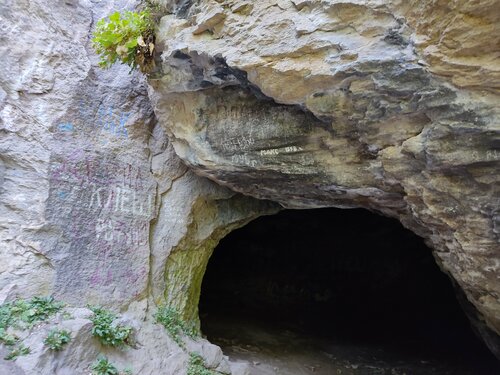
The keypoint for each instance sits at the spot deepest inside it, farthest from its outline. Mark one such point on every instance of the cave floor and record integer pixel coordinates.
(332, 291)
(270, 350)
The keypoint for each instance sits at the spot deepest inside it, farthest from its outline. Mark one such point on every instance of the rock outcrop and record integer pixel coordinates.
(93, 198)
(387, 105)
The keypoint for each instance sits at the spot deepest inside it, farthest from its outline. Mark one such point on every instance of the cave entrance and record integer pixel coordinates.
(332, 291)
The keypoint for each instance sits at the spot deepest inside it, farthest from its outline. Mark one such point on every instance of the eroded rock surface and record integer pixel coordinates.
(77, 191)
(387, 105)
(93, 198)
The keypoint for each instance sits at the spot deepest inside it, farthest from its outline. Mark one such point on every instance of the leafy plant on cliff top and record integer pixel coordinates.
(127, 37)
(106, 331)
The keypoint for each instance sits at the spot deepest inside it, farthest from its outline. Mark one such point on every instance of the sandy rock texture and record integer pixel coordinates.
(104, 195)
(386, 105)
(92, 197)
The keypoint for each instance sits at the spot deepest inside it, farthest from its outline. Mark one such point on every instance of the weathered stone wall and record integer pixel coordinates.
(92, 197)
(458, 39)
(77, 192)
(307, 103)
(387, 105)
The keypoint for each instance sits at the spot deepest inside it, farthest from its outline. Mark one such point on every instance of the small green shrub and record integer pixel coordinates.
(41, 308)
(173, 323)
(108, 333)
(17, 352)
(26, 313)
(197, 366)
(57, 338)
(126, 37)
(6, 338)
(102, 366)
(5, 315)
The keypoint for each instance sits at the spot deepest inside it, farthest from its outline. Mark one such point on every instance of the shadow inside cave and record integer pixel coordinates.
(332, 291)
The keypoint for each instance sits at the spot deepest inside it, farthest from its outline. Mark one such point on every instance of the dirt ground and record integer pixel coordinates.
(273, 350)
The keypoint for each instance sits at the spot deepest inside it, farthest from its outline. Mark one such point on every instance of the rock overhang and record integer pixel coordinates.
(333, 103)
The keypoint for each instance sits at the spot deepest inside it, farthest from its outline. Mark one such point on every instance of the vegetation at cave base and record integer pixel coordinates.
(26, 313)
(106, 330)
(173, 323)
(6, 338)
(196, 366)
(102, 366)
(20, 350)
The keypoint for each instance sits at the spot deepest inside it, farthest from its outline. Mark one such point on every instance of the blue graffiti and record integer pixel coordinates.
(123, 120)
(106, 119)
(62, 194)
(66, 127)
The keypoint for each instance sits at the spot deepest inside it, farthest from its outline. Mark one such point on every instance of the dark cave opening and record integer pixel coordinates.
(336, 291)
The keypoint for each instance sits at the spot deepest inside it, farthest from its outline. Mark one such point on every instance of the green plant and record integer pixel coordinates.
(196, 366)
(57, 338)
(102, 366)
(17, 352)
(173, 323)
(106, 331)
(7, 338)
(127, 37)
(66, 315)
(5, 315)
(26, 313)
(41, 308)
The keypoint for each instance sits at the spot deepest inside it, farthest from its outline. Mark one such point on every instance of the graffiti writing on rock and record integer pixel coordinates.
(98, 117)
(110, 230)
(105, 118)
(102, 207)
(120, 199)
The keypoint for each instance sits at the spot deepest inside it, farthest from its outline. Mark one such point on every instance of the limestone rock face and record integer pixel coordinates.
(76, 184)
(459, 39)
(386, 105)
(93, 198)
